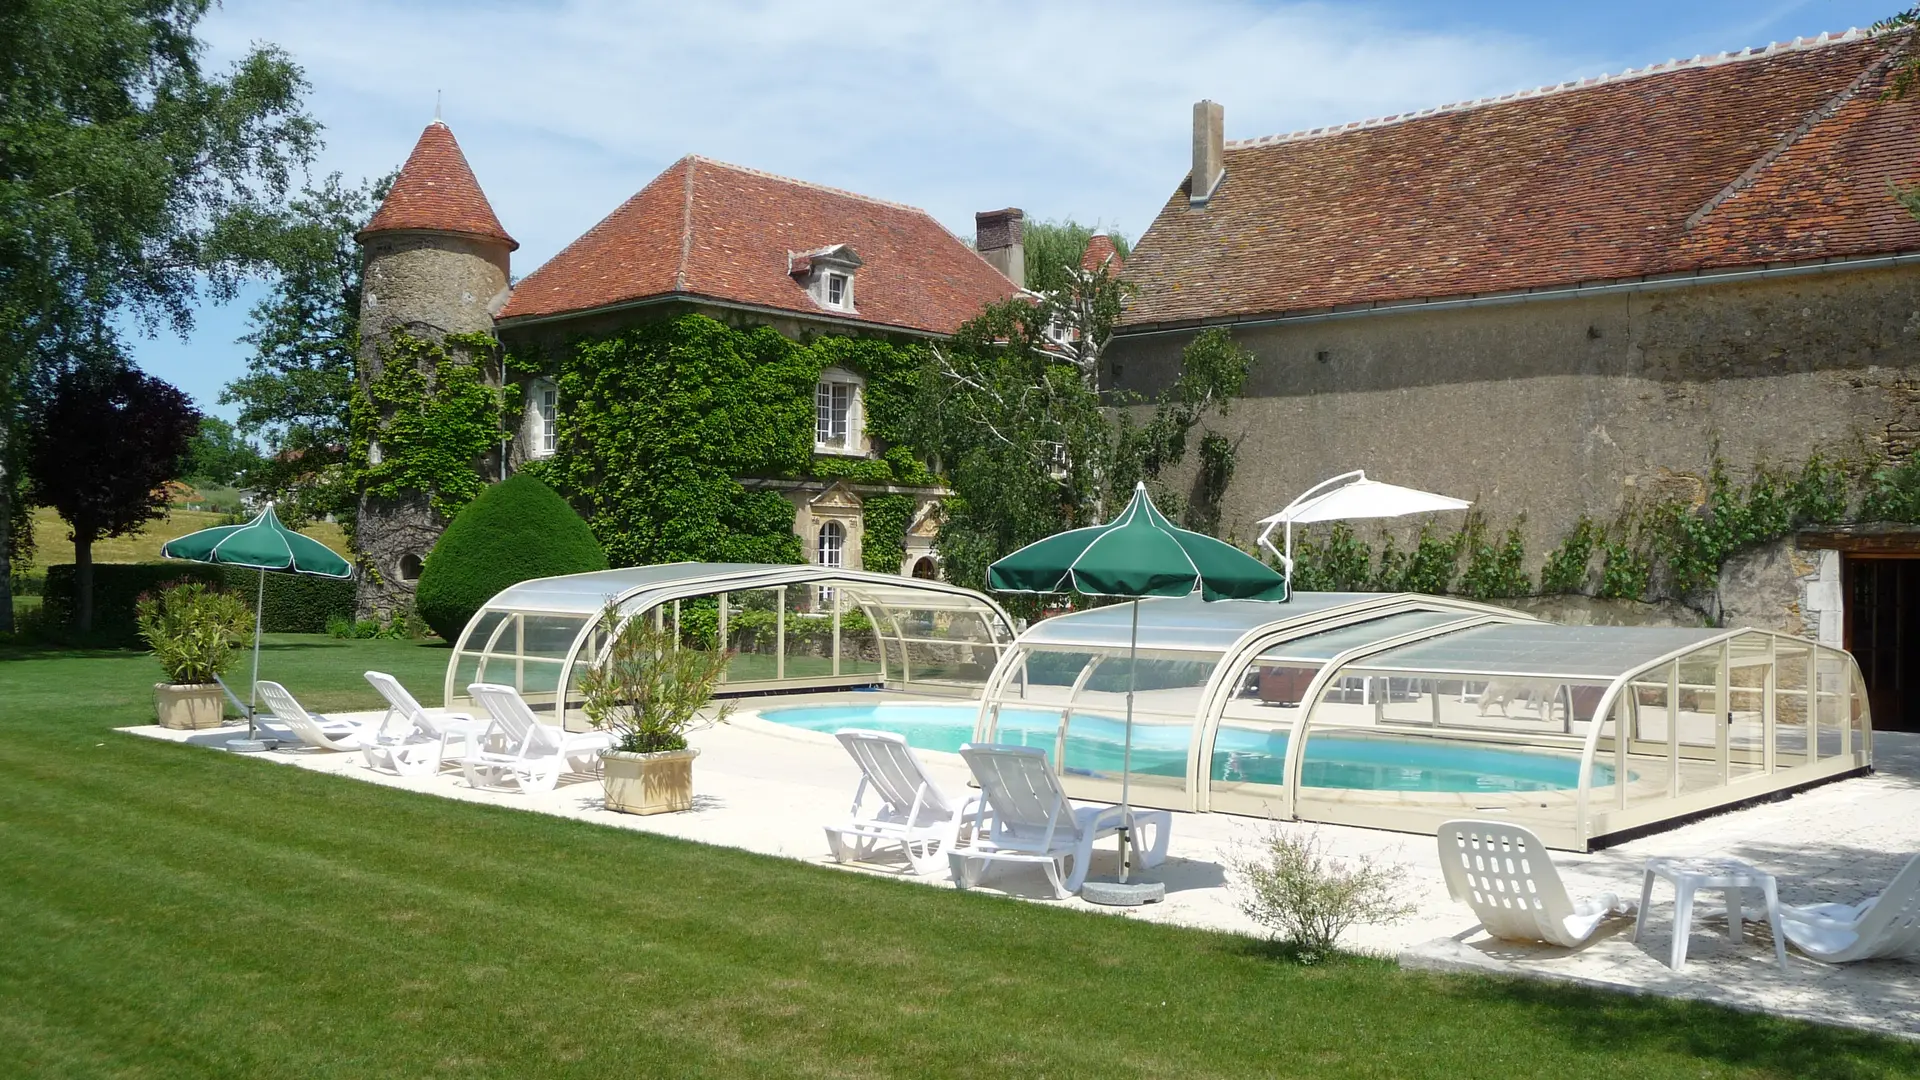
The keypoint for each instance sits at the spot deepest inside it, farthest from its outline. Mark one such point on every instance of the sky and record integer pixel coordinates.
(1065, 108)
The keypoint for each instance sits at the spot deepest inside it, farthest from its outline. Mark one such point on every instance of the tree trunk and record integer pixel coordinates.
(82, 584)
(6, 529)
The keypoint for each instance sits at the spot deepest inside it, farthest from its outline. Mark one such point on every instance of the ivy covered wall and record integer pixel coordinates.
(659, 423)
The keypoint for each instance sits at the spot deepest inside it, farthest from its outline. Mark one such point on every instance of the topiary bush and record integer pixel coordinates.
(516, 530)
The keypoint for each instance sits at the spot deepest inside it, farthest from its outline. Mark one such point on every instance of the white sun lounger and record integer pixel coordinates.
(1882, 927)
(524, 751)
(1025, 817)
(913, 812)
(1502, 872)
(315, 730)
(431, 737)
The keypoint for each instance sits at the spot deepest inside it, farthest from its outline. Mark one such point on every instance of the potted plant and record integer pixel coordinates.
(647, 690)
(193, 631)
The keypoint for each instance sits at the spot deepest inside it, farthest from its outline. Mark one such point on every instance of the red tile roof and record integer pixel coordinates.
(1099, 250)
(436, 191)
(1781, 154)
(706, 229)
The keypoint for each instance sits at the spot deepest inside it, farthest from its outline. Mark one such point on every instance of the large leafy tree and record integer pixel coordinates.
(1029, 443)
(132, 180)
(100, 451)
(220, 454)
(299, 381)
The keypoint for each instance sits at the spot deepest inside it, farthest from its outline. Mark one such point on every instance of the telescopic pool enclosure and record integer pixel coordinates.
(1394, 711)
(1401, 711)
(788, 627)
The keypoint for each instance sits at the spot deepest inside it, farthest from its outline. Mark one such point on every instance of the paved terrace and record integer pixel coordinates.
(769, 789)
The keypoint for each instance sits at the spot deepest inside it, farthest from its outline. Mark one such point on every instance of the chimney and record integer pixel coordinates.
(1209, 150)
(997, 237)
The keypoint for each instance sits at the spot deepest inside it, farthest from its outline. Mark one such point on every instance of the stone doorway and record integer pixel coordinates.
(1883, 633)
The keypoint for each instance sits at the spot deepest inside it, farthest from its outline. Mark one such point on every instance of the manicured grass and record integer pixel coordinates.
(51, 546)
(172, 911)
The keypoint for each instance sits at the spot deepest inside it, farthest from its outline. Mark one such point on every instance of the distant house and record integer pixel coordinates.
(1566, 301)
(741, 246)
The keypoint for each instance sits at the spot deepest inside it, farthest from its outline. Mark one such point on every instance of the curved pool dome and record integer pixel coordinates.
(789, 627)
(1401, 711)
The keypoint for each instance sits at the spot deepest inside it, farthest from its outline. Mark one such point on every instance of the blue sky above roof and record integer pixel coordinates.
(1075, 108)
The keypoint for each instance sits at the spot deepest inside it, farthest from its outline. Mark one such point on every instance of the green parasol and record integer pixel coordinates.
(1138, 554)
(262, 544)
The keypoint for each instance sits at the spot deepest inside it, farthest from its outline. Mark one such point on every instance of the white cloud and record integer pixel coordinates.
(1073, 108)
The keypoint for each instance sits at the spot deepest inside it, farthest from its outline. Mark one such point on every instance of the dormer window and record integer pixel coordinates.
(827, 275)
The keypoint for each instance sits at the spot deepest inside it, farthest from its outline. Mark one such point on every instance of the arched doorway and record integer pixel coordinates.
(926, 569)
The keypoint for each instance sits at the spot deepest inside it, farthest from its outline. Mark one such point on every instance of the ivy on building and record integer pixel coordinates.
(883, 542)
(1658, 549)
(674, 436)
(428, 420)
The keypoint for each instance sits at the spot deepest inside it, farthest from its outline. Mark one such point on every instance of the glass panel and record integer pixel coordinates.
(466, 672)
(1648, 767)
(753, 620)
(809, 635)
(1858, 708)
(859, 642)
(1792, 737)
(1701, 718)
(476, 638)
(1166, 696)
(1247, 763)
(1604, 791)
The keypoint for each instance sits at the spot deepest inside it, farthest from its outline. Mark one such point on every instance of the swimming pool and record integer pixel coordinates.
(1355, 761)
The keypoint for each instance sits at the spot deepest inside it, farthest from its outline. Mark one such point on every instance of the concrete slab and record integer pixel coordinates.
(770, 789)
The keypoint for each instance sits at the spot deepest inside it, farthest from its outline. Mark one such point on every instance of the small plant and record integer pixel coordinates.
(340, 626)
(193, 630)
(649, 688)
(1565, 570)
(1293, 887)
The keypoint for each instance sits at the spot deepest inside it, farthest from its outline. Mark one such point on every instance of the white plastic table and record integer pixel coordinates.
(1690, 875)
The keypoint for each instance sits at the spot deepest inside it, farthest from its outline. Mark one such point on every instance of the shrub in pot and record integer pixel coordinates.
(647, 690)
(193, 631)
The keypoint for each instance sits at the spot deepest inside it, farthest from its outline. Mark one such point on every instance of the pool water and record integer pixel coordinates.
(1095, 744)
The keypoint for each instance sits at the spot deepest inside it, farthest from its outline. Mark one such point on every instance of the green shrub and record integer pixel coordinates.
(1494, 569)
(650, 688)
(1292, 885)
(193, 630)
(1565, 570)
(515, 531)
(294, 603)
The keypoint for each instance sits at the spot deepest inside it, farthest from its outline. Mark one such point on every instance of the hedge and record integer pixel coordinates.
(294, 603)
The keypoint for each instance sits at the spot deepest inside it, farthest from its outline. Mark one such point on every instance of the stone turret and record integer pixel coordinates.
(436, 264)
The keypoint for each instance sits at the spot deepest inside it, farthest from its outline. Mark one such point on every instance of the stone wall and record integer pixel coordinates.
(1563, 407)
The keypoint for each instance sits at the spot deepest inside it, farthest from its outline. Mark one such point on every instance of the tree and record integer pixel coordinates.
(1053, 247)
(130, 181)
(305, 335)
(100, 453)
(218, 454)
(1030, 444)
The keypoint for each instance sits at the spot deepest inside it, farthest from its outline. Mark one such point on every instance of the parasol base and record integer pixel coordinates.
(251, 746)
(1122, 894)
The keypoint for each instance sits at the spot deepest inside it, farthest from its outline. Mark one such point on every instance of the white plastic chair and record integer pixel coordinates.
(316, 731)
(1881, 927)
(524, 751)
(913, 812)
(1025, 817)
(424, 747)
(1503, 873)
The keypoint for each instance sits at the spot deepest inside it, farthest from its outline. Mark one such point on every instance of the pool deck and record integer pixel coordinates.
(769, 789)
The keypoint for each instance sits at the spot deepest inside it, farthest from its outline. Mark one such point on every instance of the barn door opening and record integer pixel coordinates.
(1883, 633)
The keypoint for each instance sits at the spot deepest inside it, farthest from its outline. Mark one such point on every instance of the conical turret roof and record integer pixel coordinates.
(436, 192)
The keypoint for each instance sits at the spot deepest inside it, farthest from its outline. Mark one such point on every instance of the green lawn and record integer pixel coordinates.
(171, 911)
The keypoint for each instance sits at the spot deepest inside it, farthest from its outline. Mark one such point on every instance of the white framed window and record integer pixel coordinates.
(546, 408)
(837, 290)
(834, 404)
(1059, 465)
(830, 545)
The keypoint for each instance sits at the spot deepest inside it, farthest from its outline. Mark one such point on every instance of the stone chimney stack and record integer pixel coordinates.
(997, 236)
(1209, 152)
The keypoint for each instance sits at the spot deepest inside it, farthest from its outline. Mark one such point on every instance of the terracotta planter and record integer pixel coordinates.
(189, 706)
(659, 783)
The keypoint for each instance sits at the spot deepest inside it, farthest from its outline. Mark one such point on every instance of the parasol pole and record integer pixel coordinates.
(253, 688)
(1126, 751)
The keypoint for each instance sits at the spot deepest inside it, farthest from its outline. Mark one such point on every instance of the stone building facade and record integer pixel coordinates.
(1558, 303)
(743, 247)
